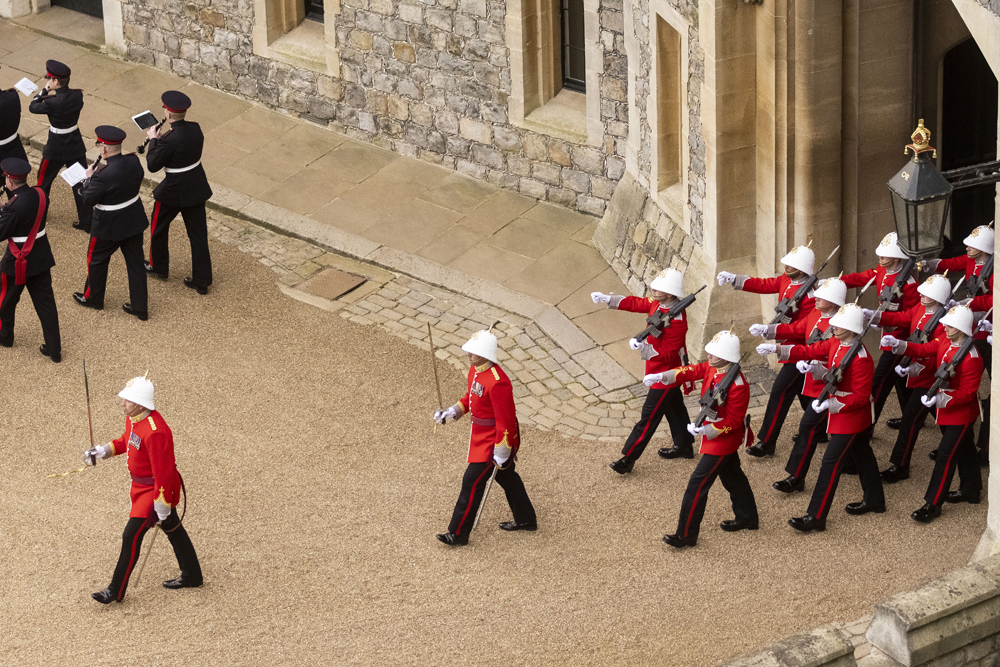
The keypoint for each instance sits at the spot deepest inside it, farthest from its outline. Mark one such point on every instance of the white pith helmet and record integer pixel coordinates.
(981, 238)
(889, 247)
(138, 390)
(936, 287)
(833, 290)
(849, 317)
(725, 345)
(801, 258)
(483, 344)
(670, 281)
(961, 318)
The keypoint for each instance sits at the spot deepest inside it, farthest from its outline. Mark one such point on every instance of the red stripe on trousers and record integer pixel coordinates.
(805, 454)
(152, 230)
(833, 477)
(472, 498)
(774, 420)
(646, 428)
(697, 494)
(944, 477)
(136, 541)
(3, 290)
(90, 254)
(41, 171)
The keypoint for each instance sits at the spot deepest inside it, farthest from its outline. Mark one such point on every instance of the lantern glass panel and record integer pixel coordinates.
(930, 224)
(904, 223)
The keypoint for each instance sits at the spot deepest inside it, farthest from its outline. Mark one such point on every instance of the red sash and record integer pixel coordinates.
(21, 255)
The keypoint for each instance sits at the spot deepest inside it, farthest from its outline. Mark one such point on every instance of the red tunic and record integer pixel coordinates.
(971, 268)
(490, 399)
(883, 279)
(669, 345)
(814, 321)
(911, 320)
(963, 406)
(729, 424)
(783, 287)
(149, 448)
(853, 392)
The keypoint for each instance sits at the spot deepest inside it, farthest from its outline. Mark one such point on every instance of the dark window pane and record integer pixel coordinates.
(574, 63)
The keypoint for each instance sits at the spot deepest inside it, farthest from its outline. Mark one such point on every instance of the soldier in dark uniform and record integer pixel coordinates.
(119, 221)
(28, 260)
(10, 120)
(65, 144)
(184, 190)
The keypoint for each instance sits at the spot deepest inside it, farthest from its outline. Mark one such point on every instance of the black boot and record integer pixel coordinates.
(760, 449)
(676, 452)
(678, 542)
(927, 513)
(894, 474)
(451, 539)
(105, 596)
(622, 465)
(807, 524)
(790, 484)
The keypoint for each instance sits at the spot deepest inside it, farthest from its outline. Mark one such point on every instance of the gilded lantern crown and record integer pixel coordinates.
(921, 139)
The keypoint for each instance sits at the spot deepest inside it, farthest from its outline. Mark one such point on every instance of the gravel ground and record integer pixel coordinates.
(316, 485)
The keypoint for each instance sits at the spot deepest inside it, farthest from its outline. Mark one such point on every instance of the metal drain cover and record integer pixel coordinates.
(331, 284)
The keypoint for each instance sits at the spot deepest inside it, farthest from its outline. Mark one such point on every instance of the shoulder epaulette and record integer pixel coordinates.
(152, 424)
(496, 376)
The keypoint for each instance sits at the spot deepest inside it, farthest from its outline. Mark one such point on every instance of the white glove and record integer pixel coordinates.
(952, 303)
(889, 341)
(726, 278)
(766, 348)
(501, 455)
(758, 330)
(635, 344)
(696, 430)
(989, 339)
(985, 325)
(902, 372)
(867, 313)
(928, 401)
(820, 407)
(930, 265)
(600, 297)
(803, 366)
(652, 378)
(91, 456)
(162, 510)
(442, 416)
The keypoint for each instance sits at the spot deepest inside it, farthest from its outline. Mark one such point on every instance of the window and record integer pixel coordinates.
(314, 10)
(668, 111)
(574, 58)
(282, 32)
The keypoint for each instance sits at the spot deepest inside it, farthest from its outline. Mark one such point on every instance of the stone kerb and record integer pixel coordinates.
(943, 616)
(824, 647)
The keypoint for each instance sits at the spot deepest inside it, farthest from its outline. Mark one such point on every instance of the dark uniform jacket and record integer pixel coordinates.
(17, 217)
(179, 148)
(10, 120)
(63, 109)
(116, 183)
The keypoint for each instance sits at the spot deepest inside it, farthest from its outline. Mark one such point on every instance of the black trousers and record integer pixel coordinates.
(47, 173)
(474, 486)
(840, 447)
(812, 426)
(884, 380)
(787, 385)
(135, 530)
(986, 352)
(99, 255)
(957, 449)
(40, 289)
(197, 230)
(727, 468)
(660, 403)
(914, 413)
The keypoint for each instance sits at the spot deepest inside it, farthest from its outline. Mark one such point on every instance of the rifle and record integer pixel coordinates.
(978, 285)
(947, 369)
(923, 334)
(895, 290)
(836, 374)
(714, 398)
(660, 319)
(790, 305)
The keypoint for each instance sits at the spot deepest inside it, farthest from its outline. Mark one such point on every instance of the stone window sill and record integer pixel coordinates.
(562, 117)
(304, 46)
(672, 202)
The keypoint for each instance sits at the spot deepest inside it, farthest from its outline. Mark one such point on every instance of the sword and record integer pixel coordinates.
(90, 421)
(138, 577)
(437, 383)
(489, 485)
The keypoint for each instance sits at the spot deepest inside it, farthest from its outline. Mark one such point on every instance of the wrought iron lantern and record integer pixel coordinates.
(921, 199)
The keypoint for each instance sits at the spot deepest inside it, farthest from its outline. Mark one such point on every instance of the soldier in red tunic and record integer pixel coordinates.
(956, 414)
(721, 438)
(156, 487)
(799, 263)
(493, 443)
(850, 418)
(891, 259)
(660, 352)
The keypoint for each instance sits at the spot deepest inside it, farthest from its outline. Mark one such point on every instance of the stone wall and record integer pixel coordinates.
(425, 78)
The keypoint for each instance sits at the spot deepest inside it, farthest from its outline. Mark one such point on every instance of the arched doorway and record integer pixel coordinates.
(968, 135)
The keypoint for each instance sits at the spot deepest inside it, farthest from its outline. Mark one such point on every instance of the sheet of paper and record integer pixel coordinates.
(26, 87)
(74, 174)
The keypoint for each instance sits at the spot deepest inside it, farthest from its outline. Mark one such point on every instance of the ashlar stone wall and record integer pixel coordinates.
(426, 78)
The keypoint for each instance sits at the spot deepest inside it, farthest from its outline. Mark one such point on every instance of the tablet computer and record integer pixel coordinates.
(145, 120)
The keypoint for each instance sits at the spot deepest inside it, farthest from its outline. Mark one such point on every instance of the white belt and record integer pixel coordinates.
(116, 207)
(24, 239)
(62, 130)
(182, 169)
(8, 139)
